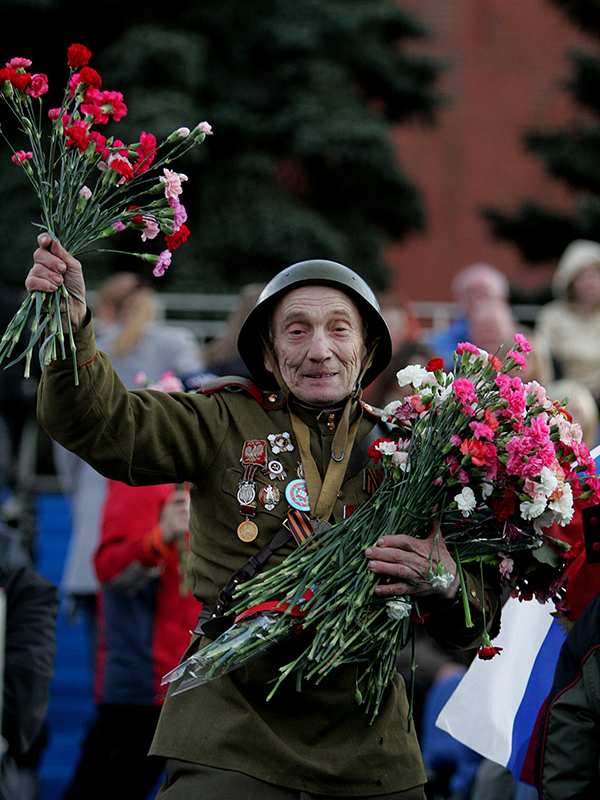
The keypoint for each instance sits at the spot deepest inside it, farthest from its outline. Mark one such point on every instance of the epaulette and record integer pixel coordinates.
(235, 383)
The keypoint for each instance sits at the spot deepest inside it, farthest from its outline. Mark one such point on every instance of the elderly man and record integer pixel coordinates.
(296, 440)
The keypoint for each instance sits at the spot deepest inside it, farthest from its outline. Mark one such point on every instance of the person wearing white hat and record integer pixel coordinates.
(571, 322)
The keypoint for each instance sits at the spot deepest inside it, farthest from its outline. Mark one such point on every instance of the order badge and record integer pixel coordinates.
(296, 493)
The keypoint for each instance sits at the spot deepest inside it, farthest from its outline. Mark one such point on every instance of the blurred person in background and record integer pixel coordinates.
(492, 327)
(571, 322)
(145, 614)
(221, 355)
(471, 285)
(126, 314)
(29, 648)
(581, 406)
(387, 389)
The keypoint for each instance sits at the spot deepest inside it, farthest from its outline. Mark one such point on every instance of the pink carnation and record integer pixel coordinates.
(180, 213)
(163, 263)
(38, 85)
(20, 156)
(464, 390)
(19, 63)
(481, 430)
(172, 181)
(518, 358)
(467, 347)
(523, 343)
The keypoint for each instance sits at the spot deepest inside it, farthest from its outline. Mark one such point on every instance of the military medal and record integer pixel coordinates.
(275, 470)
(254, 455)
(296, 493)
(254, 452)
(269, 496)
(280, 442)
(247, 531)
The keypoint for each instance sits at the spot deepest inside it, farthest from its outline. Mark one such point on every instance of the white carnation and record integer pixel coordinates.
(466, 501)
(413, 375)
(398, 609)
(533, 509)
(442, 581)
(563, 506)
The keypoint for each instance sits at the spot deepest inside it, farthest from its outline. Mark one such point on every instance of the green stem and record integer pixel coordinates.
(463, 589)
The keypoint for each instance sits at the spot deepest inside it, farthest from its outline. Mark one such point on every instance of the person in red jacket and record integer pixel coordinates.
(145, 616)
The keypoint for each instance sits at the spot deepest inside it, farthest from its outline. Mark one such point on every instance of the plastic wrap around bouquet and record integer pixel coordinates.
(493, 459)
(90, 186)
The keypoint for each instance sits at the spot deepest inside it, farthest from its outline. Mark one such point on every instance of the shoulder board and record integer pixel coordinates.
(235, 383)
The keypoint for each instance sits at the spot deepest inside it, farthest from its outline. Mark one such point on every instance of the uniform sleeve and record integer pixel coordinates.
(129, 517)
(138, 437)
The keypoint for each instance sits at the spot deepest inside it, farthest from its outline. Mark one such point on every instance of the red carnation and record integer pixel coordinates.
(146, 152)
(434, 364)
(177, 238)
(91, 77)
(77, 134)
(488, 652)
(78, 56)
(373, 452)
(20, 80)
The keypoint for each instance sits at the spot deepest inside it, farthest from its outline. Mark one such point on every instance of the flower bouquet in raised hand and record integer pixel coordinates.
(493, 459)
(90, 187)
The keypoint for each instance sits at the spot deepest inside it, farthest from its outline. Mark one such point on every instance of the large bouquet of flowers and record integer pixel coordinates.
(90, 187)
(495, 460)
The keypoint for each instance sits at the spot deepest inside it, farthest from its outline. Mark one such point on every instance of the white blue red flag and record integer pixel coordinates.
(495, 706)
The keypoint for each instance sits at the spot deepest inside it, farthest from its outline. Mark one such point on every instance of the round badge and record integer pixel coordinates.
(247, 531)
(296, 493)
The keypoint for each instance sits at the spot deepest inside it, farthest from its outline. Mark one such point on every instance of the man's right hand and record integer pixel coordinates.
(53, 266)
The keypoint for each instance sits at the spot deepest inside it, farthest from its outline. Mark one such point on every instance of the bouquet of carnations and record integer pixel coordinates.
(493, 459)
(90, 187)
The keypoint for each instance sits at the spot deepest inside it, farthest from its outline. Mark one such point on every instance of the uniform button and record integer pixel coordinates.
(596, 546)
(272, 398)
(593, 520)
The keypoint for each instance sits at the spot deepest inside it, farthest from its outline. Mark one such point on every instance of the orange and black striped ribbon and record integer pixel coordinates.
(298, 522)
(371, 480)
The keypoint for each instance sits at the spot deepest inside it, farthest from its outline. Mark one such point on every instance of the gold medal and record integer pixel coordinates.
(247, 531)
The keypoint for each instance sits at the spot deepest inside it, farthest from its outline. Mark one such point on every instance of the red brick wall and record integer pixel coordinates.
(506, 61)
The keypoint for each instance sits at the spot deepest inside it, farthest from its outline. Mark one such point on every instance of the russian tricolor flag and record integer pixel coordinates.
(495, 707)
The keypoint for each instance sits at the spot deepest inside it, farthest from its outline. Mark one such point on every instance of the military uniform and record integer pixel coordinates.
(317, 740)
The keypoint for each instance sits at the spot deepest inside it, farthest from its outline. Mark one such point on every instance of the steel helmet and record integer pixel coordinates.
(313, 272)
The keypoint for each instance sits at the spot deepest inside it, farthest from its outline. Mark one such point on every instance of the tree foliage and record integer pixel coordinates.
(570, 154)
(302, 96)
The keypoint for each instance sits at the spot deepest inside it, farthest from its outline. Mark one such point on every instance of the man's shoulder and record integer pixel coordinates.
(237, 385)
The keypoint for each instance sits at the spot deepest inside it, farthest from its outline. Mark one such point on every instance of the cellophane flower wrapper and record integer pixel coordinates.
(493, 459)
(90, 186)
(238, 645)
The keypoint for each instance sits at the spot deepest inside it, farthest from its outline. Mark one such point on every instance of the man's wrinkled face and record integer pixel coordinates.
(318, 344)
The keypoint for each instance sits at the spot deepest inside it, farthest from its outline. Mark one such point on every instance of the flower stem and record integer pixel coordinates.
(463, 589)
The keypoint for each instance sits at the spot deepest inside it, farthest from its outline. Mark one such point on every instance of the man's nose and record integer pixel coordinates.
(319, 348)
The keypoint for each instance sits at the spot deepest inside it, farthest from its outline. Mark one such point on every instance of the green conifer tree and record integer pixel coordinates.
(570, 154)
(302, 96)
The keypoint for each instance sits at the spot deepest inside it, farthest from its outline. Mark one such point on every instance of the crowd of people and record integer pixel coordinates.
(172, 495)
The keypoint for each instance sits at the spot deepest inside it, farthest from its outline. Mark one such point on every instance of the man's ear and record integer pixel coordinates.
(267, 360)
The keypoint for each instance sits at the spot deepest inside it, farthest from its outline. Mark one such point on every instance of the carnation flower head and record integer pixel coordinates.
(163, 263)
(522, 342)
(78, 56)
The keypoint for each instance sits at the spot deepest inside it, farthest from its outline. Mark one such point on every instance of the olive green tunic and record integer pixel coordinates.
(317, 740)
